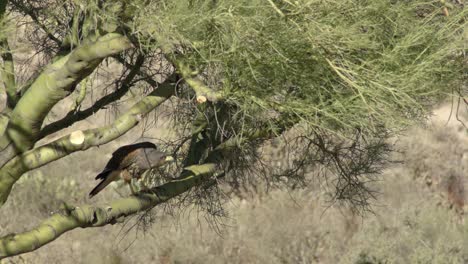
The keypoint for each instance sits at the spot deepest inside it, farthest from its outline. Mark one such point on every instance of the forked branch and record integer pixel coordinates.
(80, 140)
(94, 216)
(74, 117)
(53, 84)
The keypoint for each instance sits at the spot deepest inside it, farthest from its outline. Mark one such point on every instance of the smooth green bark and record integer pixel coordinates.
(73, 117)
(94, 216)
(54, 84)
(63, 146)
(200, 88)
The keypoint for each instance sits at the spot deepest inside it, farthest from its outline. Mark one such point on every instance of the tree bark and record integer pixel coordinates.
(63, 146)
(94, 216)
(73, 117)
(52, 85)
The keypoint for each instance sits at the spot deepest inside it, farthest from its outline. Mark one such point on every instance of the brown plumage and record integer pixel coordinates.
(129, 162)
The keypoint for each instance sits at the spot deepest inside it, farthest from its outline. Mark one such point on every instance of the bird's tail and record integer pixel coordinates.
(103, 174)
(107, 177)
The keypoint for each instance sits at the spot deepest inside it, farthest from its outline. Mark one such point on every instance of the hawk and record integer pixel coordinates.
(129, 162)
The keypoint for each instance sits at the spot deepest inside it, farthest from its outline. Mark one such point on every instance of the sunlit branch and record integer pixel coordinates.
(80, 140)
(71, 217)
(73, 117)
(56, 82)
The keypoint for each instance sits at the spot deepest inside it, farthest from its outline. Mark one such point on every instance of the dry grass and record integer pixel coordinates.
(413, 222)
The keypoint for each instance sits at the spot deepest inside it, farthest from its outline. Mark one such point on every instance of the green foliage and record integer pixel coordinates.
(348, 74)
(336, 65)
(336, 79)
(343, 70)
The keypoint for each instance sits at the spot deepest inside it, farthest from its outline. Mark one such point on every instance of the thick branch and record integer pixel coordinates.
(79, 140)
(73, 117)
(52, 85)
(202, 91)
(95, 216)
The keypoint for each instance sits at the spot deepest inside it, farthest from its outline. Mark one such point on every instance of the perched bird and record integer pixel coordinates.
(129, 162)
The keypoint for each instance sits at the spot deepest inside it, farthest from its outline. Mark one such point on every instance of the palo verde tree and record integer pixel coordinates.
(333, 79)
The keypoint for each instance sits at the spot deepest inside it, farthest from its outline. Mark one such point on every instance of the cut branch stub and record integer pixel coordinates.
(203, 92)
(75, 116)
(54, 84)
(77, 137)
(201, 99)
(63, 146)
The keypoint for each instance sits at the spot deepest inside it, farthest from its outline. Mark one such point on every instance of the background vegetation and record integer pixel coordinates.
(301, 99)
(414, 221)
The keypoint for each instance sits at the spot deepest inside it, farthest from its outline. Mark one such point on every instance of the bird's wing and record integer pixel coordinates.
(106, 180)
(149, 158)
(125, 155)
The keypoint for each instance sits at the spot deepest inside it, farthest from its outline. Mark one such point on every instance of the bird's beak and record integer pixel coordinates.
(169, 158)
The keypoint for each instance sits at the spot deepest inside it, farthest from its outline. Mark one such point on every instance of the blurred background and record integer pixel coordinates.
(417, 216)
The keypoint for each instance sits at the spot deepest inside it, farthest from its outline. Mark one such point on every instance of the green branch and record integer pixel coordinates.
(73, 117)
(202, 91)
(95, 216)
(81, 96)
(52, 85)
(80, 140)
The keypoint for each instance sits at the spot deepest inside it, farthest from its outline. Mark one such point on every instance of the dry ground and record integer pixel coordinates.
(416, 218)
